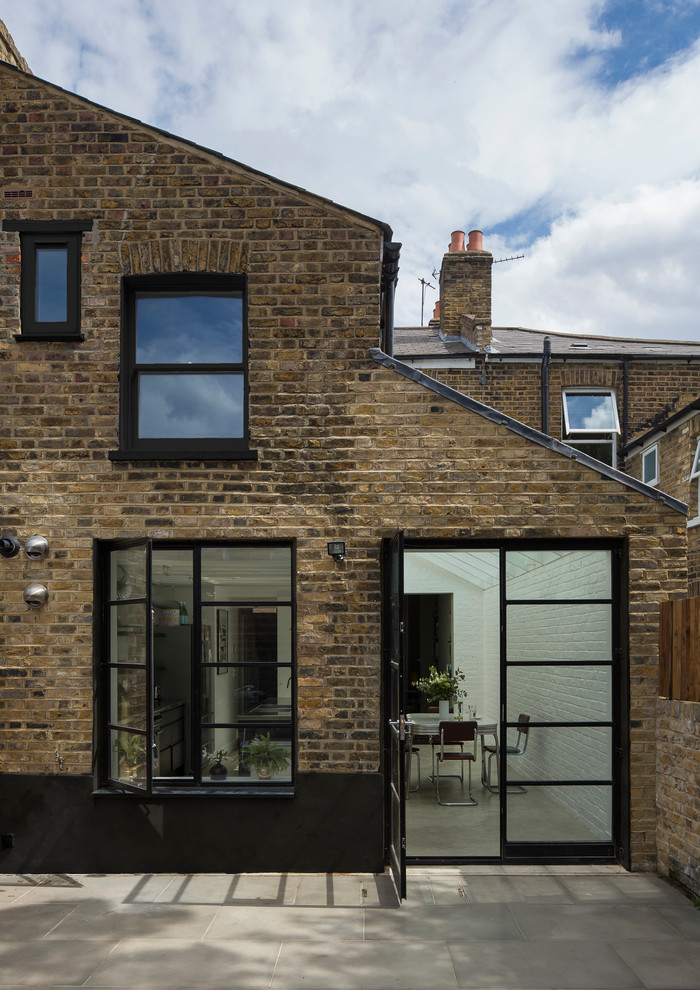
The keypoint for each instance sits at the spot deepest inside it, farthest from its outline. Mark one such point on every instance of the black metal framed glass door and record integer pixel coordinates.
(395, 713)
(537, 630)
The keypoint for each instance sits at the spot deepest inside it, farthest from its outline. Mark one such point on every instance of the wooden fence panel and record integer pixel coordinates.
(679, 649)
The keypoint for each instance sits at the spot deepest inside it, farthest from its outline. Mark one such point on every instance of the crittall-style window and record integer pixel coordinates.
(197, 667)
(50, 281)
(591, 422)
(650, 465)
(184, 368)
(695, 476)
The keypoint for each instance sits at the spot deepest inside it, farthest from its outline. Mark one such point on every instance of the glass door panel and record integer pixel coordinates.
(560, 693)
(558, 814)
(559, 633)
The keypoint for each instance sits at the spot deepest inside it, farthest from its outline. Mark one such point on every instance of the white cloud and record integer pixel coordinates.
(431, 117)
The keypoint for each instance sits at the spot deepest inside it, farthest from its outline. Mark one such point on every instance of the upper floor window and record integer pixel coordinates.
(184, 367)
(695, 476)
(50, 279)
(650, 465)
(591, 422)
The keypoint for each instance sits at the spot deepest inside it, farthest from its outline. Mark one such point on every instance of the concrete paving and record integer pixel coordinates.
(579, 928)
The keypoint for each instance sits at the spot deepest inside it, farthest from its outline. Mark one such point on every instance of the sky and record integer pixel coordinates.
(566, 130)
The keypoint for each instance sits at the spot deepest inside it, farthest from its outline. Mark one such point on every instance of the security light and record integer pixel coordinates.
(336, 550)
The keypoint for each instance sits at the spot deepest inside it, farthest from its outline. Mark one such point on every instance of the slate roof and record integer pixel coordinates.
(414, 342)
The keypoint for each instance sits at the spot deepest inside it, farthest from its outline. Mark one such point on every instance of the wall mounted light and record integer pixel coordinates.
(9, 546)
(36, 595)
(36, 547)
(336, 550)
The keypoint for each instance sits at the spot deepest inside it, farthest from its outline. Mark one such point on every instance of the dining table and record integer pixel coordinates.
(428, 724)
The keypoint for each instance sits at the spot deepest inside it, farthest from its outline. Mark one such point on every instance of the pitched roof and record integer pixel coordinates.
(416, 342)
(521, 429)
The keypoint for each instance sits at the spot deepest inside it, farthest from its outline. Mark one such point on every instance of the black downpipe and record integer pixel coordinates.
(390, 276)
(625, 401)
(546, 358)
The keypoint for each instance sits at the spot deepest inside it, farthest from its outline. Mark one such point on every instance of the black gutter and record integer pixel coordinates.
(590, 356)
(546, 358)
(625, 399)
(521, 429)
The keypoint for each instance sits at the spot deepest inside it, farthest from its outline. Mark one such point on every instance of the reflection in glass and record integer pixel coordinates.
(248, 573)
(128, 633)
(196, 406)
(128, 697)
(572, 633)
(128, 757)
(52, 284)
(190, 328)
(250, 694)
(578, 813)
(593, 412)
(561, 694)
(128, 573)
(563, 753)
(558, 574)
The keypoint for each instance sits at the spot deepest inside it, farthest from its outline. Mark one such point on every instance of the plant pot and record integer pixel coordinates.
(444, 710)
(218, 771)
(262, 773)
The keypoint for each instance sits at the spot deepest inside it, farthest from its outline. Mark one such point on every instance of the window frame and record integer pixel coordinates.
(582, 438)
(654, 480)
(34, 234)
(196, 785)
(134, 447)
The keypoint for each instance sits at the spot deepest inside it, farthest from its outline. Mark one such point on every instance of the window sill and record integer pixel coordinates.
(66, 338)
(183, 455)
(693, 522)
(263, 791)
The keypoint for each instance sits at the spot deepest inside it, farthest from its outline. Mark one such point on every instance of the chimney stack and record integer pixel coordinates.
(465, 289)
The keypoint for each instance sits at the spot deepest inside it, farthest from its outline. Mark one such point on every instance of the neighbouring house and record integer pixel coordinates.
(237, 526)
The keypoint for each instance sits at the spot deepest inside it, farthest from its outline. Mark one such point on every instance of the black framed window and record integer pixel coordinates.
(184, 367)
(197, 667)
(591, 422)
(50, 303)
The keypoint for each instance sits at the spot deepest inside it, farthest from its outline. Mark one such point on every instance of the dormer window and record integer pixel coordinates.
(591, 422)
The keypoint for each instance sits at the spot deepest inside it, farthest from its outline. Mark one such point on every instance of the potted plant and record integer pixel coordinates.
(441, 687)
(132, 755)
(216, 761)
(264, 756)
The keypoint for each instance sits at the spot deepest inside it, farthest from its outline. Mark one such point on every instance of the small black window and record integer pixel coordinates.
(50, 280)
(184, 361)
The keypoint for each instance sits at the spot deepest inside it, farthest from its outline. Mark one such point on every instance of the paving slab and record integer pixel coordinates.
(661, 969)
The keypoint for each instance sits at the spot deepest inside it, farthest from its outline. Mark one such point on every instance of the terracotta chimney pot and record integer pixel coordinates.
(457, 242)
(436, 311)
(476, 240)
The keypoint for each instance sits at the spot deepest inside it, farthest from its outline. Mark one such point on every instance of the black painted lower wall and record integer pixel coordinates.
(333, 824)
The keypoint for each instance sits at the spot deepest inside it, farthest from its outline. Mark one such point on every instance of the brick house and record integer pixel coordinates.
(260, 527)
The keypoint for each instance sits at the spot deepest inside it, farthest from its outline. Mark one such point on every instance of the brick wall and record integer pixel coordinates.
(347, 448)
(8, 50)
(678, 795)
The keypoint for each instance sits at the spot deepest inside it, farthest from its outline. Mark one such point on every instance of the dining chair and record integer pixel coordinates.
(456, 734)
(411, 751)
(517, 750)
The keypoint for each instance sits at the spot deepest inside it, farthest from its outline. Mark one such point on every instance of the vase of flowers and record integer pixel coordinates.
(441, 687)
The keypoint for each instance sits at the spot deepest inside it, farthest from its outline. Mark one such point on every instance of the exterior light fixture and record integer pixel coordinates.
(36, 547)
(336, 550)
(9, 546)
(36, 595)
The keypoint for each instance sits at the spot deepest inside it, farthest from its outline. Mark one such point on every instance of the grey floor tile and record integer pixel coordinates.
(366, 965)
(682, 916)
(100, 921)
(541, 965)
(185, 963)
(490, 890)
(115, 887)
(663, 965)
(621, 889)
(335, 890)
(29, 921)
(591, 922)
(443, 923)
(541, 890)
(287, 923)
(46, 963)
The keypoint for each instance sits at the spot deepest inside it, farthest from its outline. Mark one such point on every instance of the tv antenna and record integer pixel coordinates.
(423, 284)
(513, 257)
